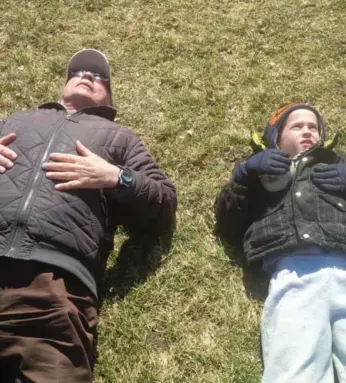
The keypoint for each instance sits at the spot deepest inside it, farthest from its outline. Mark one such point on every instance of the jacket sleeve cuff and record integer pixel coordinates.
(240, 174)
(240, 194)
(120, 192)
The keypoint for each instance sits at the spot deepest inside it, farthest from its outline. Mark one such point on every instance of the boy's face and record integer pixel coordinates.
(299, 132)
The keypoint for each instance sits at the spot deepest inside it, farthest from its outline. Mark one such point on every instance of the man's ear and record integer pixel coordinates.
(110, 103)
(61, 88)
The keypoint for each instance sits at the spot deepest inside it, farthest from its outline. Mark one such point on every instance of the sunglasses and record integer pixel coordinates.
(97, 76)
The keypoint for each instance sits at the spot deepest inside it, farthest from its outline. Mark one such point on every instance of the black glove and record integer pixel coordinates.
(270, 161)
(330, 178)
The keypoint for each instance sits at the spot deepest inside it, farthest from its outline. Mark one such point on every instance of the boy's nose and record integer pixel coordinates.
(306, 131)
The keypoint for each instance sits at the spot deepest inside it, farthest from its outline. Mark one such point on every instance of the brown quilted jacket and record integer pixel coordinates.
(70, 229)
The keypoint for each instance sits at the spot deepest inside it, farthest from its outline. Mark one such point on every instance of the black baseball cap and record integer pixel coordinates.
(91, 60)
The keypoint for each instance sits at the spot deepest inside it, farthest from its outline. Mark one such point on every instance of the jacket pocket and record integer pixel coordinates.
(333, 201)
(98, 215)
(332, 217)
(104, 206)
(331, 208)
(267, 232)
(267, 242)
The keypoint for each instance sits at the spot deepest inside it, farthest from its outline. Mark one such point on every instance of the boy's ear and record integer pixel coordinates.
(256, 142)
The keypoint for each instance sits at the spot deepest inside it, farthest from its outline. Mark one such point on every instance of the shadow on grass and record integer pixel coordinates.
(138, 258)
(254, 278)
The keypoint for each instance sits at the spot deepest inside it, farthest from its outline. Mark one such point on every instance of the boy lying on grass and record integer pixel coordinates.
(287, 205)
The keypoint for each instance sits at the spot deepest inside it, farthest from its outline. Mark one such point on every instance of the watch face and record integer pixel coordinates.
(126, 178)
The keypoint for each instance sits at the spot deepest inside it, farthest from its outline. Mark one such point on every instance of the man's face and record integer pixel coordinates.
(84, 90)
(299, 132)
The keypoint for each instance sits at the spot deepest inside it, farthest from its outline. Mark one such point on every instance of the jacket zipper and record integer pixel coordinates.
(31, 193)
(296, 173)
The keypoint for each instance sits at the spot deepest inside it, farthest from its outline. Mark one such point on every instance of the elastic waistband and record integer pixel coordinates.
(313, 262)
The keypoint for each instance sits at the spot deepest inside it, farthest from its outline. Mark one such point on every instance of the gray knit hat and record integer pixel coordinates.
(277, 119)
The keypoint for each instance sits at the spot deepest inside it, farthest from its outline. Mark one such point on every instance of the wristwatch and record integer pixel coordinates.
(125, 178)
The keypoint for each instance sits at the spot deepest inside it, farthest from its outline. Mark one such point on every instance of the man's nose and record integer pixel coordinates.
(89, 76)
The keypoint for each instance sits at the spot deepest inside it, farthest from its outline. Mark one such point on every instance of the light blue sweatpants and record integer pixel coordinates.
(304, 321)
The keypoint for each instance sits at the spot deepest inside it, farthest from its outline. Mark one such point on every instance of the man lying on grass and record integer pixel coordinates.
(69, 177)
(287, 205)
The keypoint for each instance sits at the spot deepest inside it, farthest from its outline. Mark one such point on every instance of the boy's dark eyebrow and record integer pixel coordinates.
(310, 124)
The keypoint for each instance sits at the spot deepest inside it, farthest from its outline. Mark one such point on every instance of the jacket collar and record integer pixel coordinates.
(101, 111)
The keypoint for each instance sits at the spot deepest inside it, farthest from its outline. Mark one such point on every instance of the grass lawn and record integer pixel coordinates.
(192, 78)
